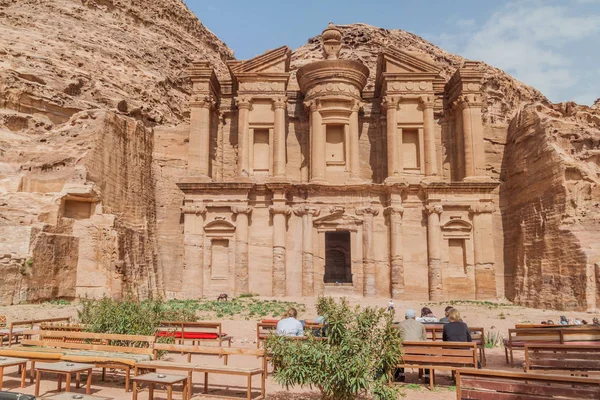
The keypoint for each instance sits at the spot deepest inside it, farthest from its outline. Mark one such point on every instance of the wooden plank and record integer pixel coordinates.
(438, 360)
(580, 365)
(531, 387)
(586, 347)
(470, 394)
(91, 335)
(450, 345)
(447, 352)
(523, 375)
(86, 346)
(208, 350)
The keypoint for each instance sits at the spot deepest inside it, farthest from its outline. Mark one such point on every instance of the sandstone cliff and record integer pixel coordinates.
(82, 84)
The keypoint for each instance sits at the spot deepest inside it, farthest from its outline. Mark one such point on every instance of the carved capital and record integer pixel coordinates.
(390, 102)
(203, 101)
(356, 105)
(367, 210)
(470, 100)
(312, 105)
(198, 209)
(243, 102)
(480, 208)
(243, 209)
(393, 210)
(434, 208)
(280, 209)
(336, 210)
(426, 101)
(279, 102)
(307, 210)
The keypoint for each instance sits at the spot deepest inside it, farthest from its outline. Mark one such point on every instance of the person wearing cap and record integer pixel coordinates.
(410, 330)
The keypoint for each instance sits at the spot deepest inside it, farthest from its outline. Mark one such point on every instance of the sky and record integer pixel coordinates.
(552, 45)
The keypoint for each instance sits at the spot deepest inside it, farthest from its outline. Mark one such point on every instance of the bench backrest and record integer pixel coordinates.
(207, 350)
(137, 344)
(455, 354)
(486, 384)
(555, 335)
(32, 322)
(55, 326)
(566, 357)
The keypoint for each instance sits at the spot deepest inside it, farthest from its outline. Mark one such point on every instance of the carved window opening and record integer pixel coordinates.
(335, 148)
(77, 209)
(261, 150)
(411, 155)
(219, 259)
(338, 265)
(457, 255)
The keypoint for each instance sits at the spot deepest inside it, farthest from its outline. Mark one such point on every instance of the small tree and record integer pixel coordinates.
(358, 356)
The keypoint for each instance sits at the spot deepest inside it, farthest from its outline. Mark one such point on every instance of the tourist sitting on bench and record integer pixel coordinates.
(414, 331)
(427, 316)
(290, 326)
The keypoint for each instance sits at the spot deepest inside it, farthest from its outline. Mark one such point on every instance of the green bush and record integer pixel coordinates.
(129, 316)
(358, 357)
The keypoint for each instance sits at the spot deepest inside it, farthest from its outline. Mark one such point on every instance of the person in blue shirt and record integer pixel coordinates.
(290, 326)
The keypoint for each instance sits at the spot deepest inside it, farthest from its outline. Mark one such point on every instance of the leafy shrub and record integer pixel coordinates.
(358, 356)
(129, 316)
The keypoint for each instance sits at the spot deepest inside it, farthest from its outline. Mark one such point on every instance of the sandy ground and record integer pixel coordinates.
(496, 317)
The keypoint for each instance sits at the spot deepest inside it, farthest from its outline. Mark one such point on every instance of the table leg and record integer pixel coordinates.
(262, 383)
(170, 392)
(135, 390)
(150, 391)
(32, 376)
(127, 378)
(78, 380)
(88, 384)
(23, 375)
(249, 397)
(68, 382)
(59, 381)
(2, 377)
(189, 385)
(37, 383)
(206, 382)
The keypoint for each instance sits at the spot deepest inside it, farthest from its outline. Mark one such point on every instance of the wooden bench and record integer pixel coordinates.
(101, 349)
(476, 384)
(14, 335)
(435, 333)
(192, 366)
(438, 356)
(562, 359)
(518, 338)
(264, 329)
(197, 332)
(57, 326)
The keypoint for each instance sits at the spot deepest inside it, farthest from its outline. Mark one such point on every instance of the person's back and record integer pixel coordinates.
(290, 326)
(412, 330)
(456, 330)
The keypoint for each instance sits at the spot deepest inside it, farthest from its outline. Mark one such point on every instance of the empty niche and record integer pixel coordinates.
(457, 256)
(219, 258)
(77, 209)
(334, 148)
(261, 150)
(410, 149)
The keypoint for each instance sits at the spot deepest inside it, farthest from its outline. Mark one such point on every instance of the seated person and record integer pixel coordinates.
(456, 330)
(445, 319)
(290, 326)
(427, 316)
(410, 330)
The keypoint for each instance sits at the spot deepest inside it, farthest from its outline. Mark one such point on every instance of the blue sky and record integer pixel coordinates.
(553, 45)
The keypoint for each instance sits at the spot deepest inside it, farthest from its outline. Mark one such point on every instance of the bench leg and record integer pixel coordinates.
(23, 375)
(262, 383)
(60, 382)
(127, 378)
(206, 382)
(249, 396)
(189, 385)
(103, 374)
(135, 390)
(512, 361)
(506, 353)
(88, 383)
(2, 377)
(37, 384)
(32, 376)
(431, 378)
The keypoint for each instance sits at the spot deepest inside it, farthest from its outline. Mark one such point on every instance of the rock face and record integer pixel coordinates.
(94, 131)
(82, 86)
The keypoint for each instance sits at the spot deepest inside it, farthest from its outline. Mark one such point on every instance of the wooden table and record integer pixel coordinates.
(159, 379)
(64, 368)
(13, 362)
(75, 396)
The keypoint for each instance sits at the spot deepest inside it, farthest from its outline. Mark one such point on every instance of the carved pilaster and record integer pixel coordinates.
(369, 281)
(242, 213)
(307, 213)
(434, 251)
(244, 104)
(279, 212)
(484, 254)
(193, 249)
(394, 214)
(391, 105)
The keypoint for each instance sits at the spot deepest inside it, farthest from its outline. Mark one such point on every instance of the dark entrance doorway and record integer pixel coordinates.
(338, 267)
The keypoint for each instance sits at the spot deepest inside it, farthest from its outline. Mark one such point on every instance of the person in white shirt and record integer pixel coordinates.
(290, 326)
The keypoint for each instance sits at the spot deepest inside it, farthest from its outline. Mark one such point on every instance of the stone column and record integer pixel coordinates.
(473, 136)
(394, 213)
(280, 212)
(317, 140)
(244, 105)
(369, 288)
(354, 143)
(429, 137)
(434, 252)
(459, 147)
(390, 104)
(241, 248)
(307, 213)
(483, 246)
(279, 104)
(193, 246)
(199, 150)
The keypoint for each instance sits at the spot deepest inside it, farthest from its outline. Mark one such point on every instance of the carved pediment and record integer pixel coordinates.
(337, 220)
(272, 61)
(394, 60)
(457, 225)
(219, 225)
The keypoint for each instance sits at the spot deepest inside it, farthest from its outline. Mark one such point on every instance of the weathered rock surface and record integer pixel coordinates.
(94, 132)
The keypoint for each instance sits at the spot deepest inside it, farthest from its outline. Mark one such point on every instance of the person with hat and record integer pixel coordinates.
(410, 330)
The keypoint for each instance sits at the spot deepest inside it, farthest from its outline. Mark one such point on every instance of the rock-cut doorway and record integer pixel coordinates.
(338, 260)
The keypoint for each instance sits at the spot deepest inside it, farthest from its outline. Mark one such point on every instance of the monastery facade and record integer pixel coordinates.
(308, 184)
